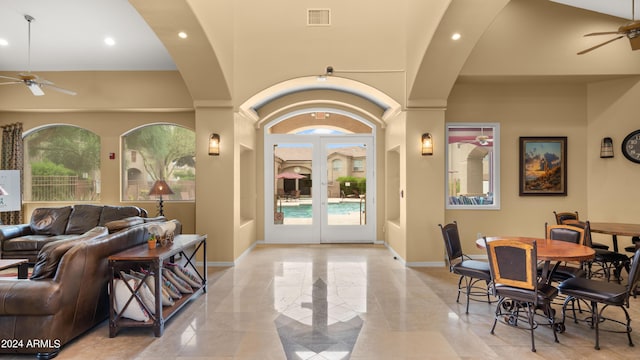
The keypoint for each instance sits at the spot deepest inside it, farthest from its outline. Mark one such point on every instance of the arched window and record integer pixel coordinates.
(159, 152)
(62, 163)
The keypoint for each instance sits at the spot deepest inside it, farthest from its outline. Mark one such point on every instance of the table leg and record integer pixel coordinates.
(615, 242)
(23, 271)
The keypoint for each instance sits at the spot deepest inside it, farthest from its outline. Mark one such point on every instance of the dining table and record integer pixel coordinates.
(549, 250)
(615, 229)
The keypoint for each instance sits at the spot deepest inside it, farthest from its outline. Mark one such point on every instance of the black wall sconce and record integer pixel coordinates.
(214, 145)
(606, 148)
(427, 144)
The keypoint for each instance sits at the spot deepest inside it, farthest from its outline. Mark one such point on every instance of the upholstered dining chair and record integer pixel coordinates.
(569, 234)
(472, 272)
(609, 261)
(515, 283)
(566, 217)
(601, 292)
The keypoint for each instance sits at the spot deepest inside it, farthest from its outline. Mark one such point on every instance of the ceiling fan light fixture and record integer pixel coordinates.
(35, 88)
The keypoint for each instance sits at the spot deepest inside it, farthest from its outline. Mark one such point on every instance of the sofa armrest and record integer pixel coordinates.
(27, 297)
(14, 231)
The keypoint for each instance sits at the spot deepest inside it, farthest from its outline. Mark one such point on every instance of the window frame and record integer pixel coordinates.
(494, 166)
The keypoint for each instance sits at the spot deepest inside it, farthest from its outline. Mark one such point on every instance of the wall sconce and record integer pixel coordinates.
(606, 148)
(427, 144)
(214, 145)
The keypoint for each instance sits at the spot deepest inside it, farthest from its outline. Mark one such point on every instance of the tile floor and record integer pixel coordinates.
(338, 302)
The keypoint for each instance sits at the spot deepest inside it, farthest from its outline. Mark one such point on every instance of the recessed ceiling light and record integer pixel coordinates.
(109, 41)
(182, 35)
(456, 36)
(3, 42)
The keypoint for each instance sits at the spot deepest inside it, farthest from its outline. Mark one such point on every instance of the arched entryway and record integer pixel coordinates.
(340, 123)
(319, 173)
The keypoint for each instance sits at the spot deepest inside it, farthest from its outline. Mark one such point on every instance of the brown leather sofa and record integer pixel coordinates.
(41, 316)
(24, 241)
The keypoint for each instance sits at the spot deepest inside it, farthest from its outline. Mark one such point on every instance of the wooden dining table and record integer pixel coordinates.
(614, 229)
(549, 250)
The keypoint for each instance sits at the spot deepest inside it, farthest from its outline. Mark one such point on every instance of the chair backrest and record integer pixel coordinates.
(585, 226)
(451, 238)
(566, 233)
(561, 217)
(634, 274)
(513, 263)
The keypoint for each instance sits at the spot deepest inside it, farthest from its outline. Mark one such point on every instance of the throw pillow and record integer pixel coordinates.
(111, 213)
(185, 274)
(50, 221)
(174, 293)
(151, 283)
(122, 294)
(145, 294)
(117, 225)
(180, 284)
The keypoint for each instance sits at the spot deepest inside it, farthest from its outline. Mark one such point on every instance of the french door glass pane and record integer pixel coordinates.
(346, 184)
(292, 168)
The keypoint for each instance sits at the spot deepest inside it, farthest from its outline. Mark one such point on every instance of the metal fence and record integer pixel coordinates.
(62, 188)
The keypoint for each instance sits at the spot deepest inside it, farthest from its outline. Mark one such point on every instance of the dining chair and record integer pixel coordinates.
(471, 271)
(515, 283)
(569, 234)
(608, 261)
(596, 292)
(563, 218)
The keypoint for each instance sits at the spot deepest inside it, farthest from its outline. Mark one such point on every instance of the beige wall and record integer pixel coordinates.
(612, 184)
(524, 110)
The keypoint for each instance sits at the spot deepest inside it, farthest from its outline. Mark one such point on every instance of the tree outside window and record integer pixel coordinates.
(159, 152)
(62, 163)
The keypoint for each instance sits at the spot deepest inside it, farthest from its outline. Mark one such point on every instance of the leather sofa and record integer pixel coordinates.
(24, 241)
(40, 316)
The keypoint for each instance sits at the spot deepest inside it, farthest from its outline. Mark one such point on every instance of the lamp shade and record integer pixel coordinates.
(160, 187)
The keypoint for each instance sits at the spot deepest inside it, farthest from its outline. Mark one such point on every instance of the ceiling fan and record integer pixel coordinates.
(33, 81)
(631, 30)
(482, 139)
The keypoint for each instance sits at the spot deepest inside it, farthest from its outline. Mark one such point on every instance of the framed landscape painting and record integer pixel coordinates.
(543, 166)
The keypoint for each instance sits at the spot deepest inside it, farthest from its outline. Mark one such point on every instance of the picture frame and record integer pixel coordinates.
(543, 166)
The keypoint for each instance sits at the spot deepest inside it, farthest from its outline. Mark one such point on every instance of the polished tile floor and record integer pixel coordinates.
(326, 302)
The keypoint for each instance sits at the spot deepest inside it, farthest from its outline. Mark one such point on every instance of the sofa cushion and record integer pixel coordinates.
(51, 253)
(117, 225)
(111, 213)
(50, 221)
(83, 218)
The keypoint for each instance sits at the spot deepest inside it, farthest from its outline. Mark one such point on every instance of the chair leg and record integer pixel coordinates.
(595, 319)
(469, 282)
(459, 288)
(495, 318)
(531, 312)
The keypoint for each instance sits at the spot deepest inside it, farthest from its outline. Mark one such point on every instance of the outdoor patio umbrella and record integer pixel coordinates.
(290, 175)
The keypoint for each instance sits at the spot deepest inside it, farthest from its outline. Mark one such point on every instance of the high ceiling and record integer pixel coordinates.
(68, 35)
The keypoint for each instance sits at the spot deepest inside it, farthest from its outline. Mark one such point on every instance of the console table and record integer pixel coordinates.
(153, 260)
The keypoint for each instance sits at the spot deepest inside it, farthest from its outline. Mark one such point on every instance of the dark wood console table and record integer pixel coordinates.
(153, 260)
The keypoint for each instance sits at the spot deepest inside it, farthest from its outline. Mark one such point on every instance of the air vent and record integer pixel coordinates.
(318, 17)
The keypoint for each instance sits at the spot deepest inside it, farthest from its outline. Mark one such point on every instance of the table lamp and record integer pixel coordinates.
(160, 187)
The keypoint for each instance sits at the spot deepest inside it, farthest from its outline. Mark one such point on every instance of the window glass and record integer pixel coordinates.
(473, 166)
(159, 152)
(62, 163)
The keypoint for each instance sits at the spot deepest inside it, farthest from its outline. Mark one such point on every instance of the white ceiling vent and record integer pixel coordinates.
(318, 17)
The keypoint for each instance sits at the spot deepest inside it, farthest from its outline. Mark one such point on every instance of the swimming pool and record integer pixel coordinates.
(304, 210)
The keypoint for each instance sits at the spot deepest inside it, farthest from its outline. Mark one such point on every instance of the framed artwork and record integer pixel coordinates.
(543, 166)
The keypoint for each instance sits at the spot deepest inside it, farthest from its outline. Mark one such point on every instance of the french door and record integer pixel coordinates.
(319, 189)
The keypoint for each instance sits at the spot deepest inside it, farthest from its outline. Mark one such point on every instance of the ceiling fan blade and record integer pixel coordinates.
(602, 33)
(10, 78)
(35, 88)
(599, 45)
(59, 89)
(11, 83)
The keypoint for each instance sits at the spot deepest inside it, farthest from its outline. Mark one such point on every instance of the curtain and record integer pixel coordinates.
(12, 159)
